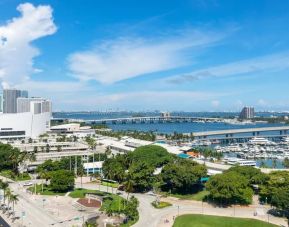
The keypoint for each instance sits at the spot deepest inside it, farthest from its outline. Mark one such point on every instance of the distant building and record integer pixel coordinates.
(35, 105)
(10, 99)
(166, 114)
(247, 113)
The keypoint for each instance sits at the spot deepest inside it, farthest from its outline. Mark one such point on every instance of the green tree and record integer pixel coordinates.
(141, 174)
(286, 163)
(153, 155)
(62, 181)
(278, 181)
(131, 209)
(253, 175)
(229, 188)
(182, 176)
(13, 199)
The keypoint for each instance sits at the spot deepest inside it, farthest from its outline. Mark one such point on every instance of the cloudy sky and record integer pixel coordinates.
(190, 55)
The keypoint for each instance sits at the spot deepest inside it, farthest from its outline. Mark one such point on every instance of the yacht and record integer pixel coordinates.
(240, 162)
(259, 141)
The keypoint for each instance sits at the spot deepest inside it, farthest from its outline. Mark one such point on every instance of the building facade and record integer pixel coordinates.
(23, 117)
(247, 113)
(10, 97)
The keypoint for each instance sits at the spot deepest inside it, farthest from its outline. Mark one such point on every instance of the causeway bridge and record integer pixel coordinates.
(153, 119)
(244, 133)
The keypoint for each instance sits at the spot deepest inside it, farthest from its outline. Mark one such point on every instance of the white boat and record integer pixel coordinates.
(259, 141)
(240, 162)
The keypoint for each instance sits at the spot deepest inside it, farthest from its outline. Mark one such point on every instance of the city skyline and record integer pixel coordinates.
(178, 55)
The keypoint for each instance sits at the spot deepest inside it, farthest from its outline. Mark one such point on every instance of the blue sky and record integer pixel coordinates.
(190, 55)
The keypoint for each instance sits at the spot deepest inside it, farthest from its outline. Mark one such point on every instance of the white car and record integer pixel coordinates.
(29, 183)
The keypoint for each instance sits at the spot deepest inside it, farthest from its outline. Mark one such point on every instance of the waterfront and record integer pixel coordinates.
(167, 127)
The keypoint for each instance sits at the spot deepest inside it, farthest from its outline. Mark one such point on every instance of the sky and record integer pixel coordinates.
(176, 55)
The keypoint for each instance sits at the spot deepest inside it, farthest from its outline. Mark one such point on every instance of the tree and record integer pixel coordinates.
(131, 209)
(62, 181)
(182, 176)
(253, 175)
(155, 156)
(114, 169)
(286, 163)
(280, 199)
(13, 199)
(141, 175)
(4, 186)
(229, 188)
(276, 188)
(47, 149)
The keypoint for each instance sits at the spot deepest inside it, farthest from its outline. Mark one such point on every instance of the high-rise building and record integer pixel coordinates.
(247, 113)
(10, 99)
(35, 105)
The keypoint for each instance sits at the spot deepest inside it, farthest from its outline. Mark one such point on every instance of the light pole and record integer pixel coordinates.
(178, 210)
(202, 207)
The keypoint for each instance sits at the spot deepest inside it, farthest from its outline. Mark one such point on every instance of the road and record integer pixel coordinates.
(30, 213)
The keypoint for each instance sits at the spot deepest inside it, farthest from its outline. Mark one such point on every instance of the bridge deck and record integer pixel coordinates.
(243, 130)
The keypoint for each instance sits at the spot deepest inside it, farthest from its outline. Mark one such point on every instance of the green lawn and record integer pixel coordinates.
(80, 193)
(197, 196)
(196, 220)
(46, 190)
(21, 177)
(113, 185)
(161, 204)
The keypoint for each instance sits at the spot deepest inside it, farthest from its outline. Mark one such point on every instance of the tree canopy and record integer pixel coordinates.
(153, 155)
(182, 176)
(62, 181)
(229, 188)
(253, 175)
(276, 190)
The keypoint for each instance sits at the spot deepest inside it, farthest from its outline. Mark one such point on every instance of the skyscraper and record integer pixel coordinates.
(247, 113)
(10, 99)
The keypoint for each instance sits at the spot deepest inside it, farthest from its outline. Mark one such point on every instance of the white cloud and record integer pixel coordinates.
(124, 58)
(269, 63)
(16, 36)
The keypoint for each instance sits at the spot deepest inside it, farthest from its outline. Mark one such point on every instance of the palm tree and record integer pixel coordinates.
(8, 193)
(4, 186)
(128, 184)
(14, 199)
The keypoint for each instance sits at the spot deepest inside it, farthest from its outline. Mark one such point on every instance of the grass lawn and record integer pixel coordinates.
(9, 174)
(113, 185)
(161, 204)
(80, 193)
(197, 196)
(46, 190)
(196, 220)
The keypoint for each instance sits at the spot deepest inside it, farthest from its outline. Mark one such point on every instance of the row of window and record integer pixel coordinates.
(12, 133)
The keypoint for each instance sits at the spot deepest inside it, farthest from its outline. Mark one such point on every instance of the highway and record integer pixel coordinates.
(243, 130)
